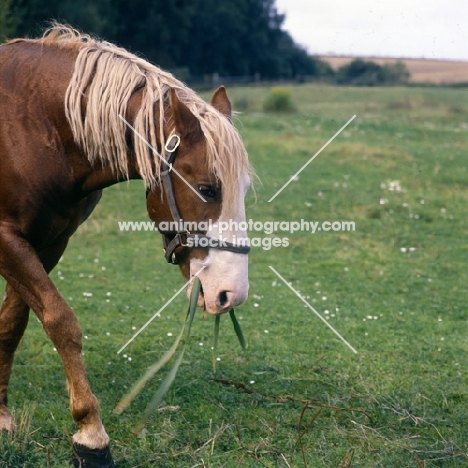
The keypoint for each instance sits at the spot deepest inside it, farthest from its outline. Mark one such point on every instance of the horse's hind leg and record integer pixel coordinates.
(14, 315)
(27, 274)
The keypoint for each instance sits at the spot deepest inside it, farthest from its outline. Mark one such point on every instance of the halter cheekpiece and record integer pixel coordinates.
(184, 238)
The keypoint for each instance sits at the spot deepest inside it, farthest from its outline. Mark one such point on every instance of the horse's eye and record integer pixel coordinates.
(208, 191)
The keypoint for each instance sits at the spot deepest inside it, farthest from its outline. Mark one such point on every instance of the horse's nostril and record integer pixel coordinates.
(223, 298)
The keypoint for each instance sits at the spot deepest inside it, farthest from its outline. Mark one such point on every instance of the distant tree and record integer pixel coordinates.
(30, 17)
(298, 64)
(359, 72)
(228, 37)
(367, 73)
(7, 27)
(395, 73)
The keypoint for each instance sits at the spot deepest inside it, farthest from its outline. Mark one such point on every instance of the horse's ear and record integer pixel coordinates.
(185, 122)
(221, 103)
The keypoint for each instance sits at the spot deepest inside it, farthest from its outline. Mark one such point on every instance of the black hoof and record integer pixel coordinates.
(84, 457)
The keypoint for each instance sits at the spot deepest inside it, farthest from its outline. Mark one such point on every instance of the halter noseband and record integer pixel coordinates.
(184, 238)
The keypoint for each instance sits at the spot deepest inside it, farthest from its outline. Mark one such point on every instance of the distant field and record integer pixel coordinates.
(421, 70)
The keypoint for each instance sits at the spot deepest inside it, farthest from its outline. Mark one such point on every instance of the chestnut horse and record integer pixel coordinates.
(76, 116)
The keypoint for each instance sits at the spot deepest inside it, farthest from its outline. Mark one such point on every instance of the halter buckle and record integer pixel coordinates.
(170, 145)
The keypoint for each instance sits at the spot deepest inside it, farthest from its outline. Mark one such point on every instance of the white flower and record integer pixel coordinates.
(394, 186)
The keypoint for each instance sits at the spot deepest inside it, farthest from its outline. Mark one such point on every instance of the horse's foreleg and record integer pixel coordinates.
(13, 320)
(26, 273)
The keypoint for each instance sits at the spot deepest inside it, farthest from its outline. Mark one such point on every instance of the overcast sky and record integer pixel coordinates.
(389, 28)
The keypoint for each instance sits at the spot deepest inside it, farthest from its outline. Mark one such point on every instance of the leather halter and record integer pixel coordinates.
(184, 238)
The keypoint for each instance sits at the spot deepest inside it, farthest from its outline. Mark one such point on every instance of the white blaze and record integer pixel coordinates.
(225, 276)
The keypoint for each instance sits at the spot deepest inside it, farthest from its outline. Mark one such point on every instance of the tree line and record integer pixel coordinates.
(196, 37)
(191, 38)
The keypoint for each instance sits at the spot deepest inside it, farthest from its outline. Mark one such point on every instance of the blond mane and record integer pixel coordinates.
(109, 75)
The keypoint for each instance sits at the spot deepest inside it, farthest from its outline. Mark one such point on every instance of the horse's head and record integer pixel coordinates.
(200, 196)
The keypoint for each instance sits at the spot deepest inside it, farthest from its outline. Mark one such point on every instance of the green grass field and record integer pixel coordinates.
(395, 289)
